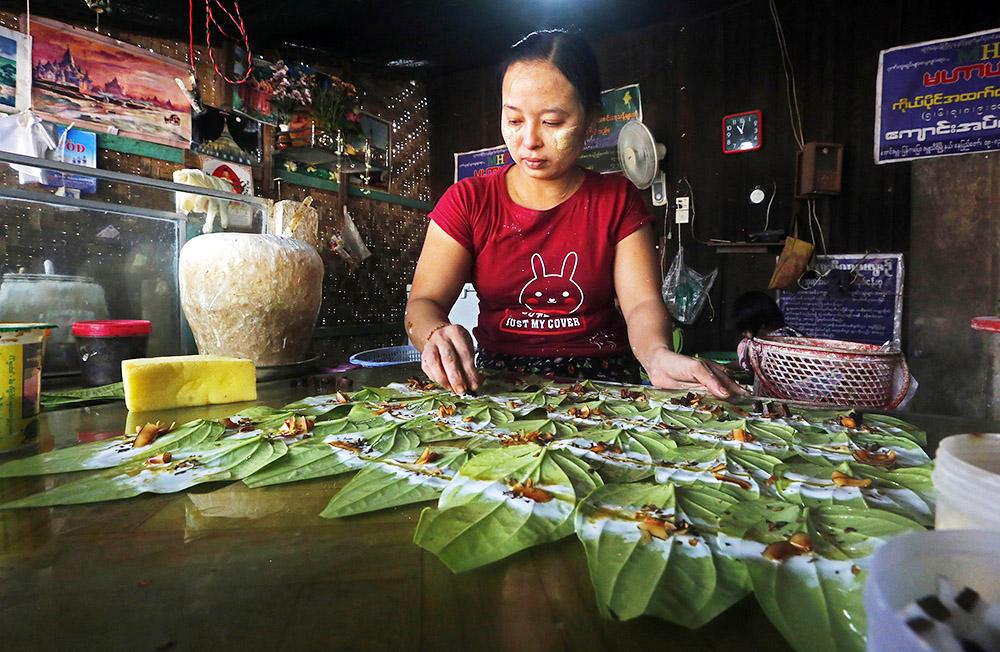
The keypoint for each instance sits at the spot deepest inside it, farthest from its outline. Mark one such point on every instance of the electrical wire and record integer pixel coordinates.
(767, 215)
(691, 208)
(819, 227)
(791, 90)
(210, 23)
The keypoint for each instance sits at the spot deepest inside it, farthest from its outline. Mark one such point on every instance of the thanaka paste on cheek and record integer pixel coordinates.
(508, 133)
(564, 138)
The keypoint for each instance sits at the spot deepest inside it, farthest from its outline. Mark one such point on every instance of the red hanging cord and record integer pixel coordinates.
(210, 22)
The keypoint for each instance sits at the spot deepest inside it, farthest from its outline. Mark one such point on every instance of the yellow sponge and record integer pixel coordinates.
(185, 380)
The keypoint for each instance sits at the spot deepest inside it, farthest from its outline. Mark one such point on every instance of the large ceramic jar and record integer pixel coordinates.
(251, 296)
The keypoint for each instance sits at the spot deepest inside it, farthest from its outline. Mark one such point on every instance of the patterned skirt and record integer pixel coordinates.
(621, 368)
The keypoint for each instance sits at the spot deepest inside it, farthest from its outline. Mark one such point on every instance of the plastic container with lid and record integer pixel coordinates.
(907, 568)
(104, 344)
(967, 478)
(22, 347)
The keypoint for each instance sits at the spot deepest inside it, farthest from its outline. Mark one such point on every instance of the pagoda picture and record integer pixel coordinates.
(106, 85)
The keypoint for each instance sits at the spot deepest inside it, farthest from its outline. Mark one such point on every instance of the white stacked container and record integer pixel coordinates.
(967, 479)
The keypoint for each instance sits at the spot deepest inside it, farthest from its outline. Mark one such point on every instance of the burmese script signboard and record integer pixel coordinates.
(858, 297)
(938, 98)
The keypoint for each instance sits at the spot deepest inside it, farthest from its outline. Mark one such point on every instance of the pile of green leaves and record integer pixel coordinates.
(683, 504)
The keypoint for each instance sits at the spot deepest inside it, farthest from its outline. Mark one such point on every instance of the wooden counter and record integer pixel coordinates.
(225, 567)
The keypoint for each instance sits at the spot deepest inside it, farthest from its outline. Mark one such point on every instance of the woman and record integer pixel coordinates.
(549, 246)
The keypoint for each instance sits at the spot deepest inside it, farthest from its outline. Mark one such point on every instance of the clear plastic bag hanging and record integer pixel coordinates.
(685, 290)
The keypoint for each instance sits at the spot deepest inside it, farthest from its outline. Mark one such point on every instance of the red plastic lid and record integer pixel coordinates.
(112, 328)
(986, 324)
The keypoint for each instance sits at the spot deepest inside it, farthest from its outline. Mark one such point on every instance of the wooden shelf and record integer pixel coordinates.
(744, 247)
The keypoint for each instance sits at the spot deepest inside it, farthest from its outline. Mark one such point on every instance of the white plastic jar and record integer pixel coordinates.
(907, 568)
(967, 478)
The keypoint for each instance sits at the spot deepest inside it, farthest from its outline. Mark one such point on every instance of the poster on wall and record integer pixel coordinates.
(481, 162)
(938, 98)
(856, 297)
(15, 71)
(241, 176)
(78, 147)
(600, 152)
(106, 85)
(229, 136)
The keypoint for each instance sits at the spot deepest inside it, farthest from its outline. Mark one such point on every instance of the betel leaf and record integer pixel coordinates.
(620, 455)
(769, 431)
(328, 407)
(537, 396)
(110, 452)
(400, 479)
(430, 402)
(485, 412)
(908, 453)
(547, 426)
(893, 426)
(905, 491)
(378, 394)
(678, 418)
(647, 558)
(814, 597)
(908, 491)
(334, 454)
(744, 469)
(600, 408)
(262, 417)
(305, 460)
(226, 459)
(502, 501)
(64, 398)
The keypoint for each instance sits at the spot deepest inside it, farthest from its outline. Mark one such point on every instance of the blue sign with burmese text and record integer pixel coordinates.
(938, 98)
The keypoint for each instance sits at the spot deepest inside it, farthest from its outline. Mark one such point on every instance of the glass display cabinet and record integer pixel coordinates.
(112, 254)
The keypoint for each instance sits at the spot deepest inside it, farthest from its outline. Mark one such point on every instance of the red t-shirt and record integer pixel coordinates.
(545, 279)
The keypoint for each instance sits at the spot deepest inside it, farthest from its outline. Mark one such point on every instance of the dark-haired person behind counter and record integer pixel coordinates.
(756, 314)
(549, 247)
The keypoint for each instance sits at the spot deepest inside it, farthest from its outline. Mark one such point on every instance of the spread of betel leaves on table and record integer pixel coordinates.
(684, 504)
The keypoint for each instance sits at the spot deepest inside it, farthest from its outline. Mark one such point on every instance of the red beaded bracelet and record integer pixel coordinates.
(436, 329)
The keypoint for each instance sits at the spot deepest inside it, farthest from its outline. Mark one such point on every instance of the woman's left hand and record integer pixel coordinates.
(669, 370)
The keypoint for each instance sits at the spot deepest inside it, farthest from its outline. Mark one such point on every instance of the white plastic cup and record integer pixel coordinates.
(906, 569)
(967, 478)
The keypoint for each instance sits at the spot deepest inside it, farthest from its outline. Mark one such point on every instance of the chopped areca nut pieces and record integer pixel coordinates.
(843, 480)
(875, 459)
(527, 489)
(294, 426)
(147, 434)
(427, 457)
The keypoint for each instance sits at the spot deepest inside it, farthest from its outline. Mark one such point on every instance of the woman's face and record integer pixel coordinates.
(542, 120)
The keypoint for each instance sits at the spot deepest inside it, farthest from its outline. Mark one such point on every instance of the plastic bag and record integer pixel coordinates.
(23, 133)
(685, 290)
(349, 245)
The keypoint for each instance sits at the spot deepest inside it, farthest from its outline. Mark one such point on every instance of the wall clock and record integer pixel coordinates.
(742, 132)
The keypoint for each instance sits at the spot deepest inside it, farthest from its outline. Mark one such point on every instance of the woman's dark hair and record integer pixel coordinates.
(568, 52)
(754, 311)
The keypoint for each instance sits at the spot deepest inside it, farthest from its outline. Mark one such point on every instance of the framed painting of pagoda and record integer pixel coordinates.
(105, 85)
(15, 71)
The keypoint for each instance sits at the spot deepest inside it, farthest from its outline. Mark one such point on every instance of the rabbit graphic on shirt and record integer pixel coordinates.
(552, 293)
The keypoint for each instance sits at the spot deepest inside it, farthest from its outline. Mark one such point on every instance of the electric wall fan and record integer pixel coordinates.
(639, 155)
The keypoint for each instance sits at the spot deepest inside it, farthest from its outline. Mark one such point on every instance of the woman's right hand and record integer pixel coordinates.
(449, 360)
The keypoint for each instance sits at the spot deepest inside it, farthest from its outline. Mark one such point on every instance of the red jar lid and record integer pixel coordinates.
(112, 328)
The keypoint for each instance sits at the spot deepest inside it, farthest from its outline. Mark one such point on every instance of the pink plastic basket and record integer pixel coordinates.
(829, 372)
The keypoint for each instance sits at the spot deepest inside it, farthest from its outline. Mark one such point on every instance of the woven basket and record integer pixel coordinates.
(829, 372)
(386, 356)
